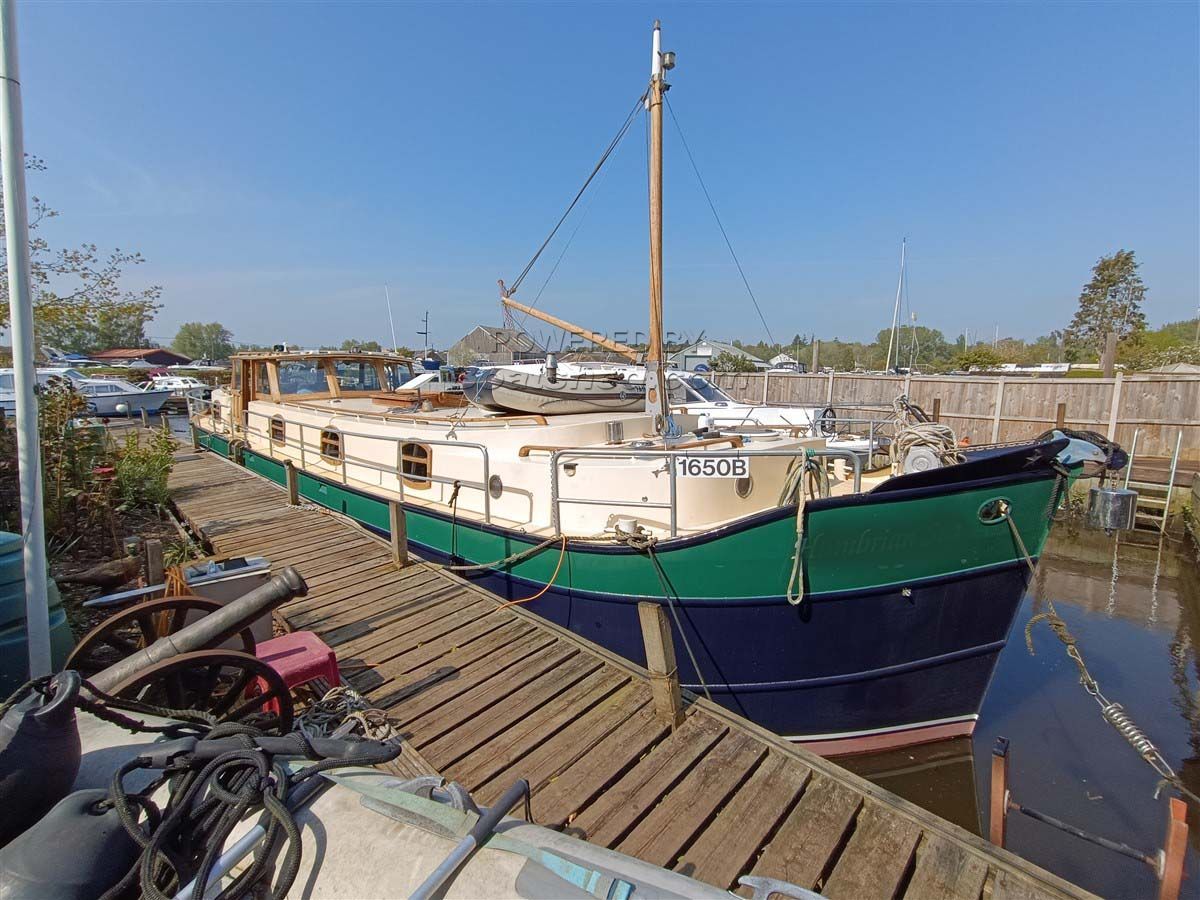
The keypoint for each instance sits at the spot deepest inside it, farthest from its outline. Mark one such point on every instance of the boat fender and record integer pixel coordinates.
(77, 851)
(39, 754)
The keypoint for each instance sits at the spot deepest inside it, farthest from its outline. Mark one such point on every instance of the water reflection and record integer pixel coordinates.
(1133, 601)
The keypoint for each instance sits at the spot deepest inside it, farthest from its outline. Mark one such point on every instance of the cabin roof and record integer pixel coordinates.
(349, 355)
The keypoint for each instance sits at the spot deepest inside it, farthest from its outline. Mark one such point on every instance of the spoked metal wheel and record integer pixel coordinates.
(132, 629)
(228, 684)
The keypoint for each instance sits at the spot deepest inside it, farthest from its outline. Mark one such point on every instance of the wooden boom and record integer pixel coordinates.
(597, 339)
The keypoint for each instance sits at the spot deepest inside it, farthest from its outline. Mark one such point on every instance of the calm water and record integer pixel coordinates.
(1134, 605)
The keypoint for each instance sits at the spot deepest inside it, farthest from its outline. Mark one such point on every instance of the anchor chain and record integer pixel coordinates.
(1111, 711)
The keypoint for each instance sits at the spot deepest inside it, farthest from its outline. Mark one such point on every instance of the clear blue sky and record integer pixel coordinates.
(277, 163)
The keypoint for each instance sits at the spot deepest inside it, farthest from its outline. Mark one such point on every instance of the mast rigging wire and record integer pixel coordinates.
(716, 216)
(603, 159)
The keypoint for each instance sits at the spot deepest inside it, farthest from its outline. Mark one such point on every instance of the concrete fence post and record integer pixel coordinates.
(996, 412)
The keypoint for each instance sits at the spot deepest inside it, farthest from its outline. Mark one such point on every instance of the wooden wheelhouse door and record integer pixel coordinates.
(243, 393)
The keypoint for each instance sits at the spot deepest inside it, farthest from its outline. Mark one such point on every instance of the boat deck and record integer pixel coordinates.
(488, 693)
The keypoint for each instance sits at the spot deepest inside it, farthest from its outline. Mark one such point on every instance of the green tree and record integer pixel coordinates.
(981, 356)
(79, 301)
(1111, 301)
(365, 346)
(209, 340)
(730, 362)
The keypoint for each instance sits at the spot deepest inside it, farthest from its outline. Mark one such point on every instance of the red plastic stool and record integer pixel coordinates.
(298, 657)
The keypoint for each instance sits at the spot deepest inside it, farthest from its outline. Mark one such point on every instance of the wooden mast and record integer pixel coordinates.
(597, 339)
(657, 403)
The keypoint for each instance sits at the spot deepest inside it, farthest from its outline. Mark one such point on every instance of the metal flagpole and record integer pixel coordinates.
(16, 225)
(391, 324)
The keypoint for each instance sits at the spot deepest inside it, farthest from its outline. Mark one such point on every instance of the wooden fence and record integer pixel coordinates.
(990, 409)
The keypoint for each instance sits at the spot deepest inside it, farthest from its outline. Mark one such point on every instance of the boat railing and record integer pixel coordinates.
(558, 456)
(306, 447)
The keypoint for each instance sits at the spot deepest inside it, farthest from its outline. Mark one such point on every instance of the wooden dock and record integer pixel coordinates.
(487, 693)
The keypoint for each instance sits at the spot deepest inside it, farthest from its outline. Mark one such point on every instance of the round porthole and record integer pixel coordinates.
(744, 487)
(995, 511)
(495, 487)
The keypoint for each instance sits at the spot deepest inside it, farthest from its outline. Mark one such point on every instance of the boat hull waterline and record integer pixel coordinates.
(908, 604)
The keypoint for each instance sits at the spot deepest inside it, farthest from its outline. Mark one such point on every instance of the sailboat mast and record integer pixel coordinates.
(657, 403)
(887, 363)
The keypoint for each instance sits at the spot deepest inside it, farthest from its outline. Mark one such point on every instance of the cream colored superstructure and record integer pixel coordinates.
(501, 469)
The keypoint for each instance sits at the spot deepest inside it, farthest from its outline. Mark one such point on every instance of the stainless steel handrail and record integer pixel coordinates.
(673, 506)
(396, 470)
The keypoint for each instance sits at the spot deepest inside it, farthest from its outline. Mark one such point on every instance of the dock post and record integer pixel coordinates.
(155, 572)
(166, 421)
(293, 484)
(195, 435)
(1060, 417)
(1174, 851)
(937, 409)
(145, 418)
(398, 526)
(998, 805)
(660, 661)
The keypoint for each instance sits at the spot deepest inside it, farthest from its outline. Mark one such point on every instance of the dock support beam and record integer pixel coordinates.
(398, 527)
(998, 805)
(155, 572)
(1060, 417)
(195, 435)
(660, 661)
(1174, 851)
(293, 484)
(145, 418)
(937, 409)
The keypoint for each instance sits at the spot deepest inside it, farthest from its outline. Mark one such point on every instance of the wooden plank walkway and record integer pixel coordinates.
(487, 694)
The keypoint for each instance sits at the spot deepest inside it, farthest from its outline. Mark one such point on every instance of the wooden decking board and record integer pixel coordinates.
(522, 737)
(527, 701)
(388, 601)
(945, 871)
(662, 833)
(407, 633)
(607, 760)
(437, 722)
(727, 846)
(336, 631)
(437, 651)
(801, 850)
(493, 694)
(455, 671)
(876, 861)
(611, 816)
(287, 542)
(576, 740)
(462, 677)
(429, 632)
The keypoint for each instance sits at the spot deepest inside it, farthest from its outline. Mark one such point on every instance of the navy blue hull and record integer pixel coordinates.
(837, 665)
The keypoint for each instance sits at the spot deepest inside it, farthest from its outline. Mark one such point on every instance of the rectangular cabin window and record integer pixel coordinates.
(278, 430)
(262, 384)
(301, 377)
(353, 375)
(415, 460)
(331, 445)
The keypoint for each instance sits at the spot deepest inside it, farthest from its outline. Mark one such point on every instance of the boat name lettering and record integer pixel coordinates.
(722, 467)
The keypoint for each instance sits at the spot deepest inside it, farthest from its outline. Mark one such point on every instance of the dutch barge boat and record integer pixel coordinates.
(844, 611)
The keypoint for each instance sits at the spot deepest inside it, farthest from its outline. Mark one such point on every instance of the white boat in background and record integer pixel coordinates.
(118, 397)
(181, 387)
(45, 378)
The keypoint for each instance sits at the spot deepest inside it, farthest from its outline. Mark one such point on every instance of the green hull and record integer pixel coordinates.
(847, 548)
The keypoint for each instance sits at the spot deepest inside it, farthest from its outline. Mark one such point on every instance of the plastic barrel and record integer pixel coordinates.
(14, 652)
